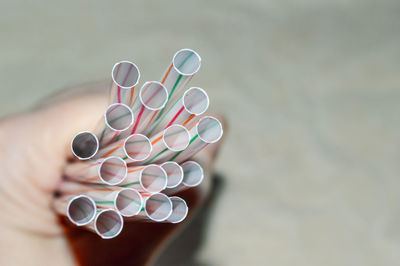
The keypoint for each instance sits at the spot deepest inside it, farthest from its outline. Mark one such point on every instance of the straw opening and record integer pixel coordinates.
(84, 145)
(128, 202)
(153, 178)
(108, 224)
(179, 210)
(174, 173)
(176, 137)
(118, 117)
(125, 74)
(192, 174)
(158, 207)
(112, 170)
(153, 95)
(186, 62)
(137, 147)
(209, 129)
(195, 101)
(81, 210)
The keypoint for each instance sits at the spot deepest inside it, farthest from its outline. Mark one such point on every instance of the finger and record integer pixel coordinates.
(60, 120)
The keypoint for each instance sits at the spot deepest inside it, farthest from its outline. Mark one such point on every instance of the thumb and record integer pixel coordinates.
(59, 122)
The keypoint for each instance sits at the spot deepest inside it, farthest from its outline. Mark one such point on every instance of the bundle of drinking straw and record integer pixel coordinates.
(138, 157)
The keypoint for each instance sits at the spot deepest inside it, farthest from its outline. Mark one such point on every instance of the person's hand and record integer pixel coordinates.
(34, 148)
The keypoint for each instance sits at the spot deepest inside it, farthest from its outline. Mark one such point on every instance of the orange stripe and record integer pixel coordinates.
(92, 178)
(113, 150)
(89, 189)
(194, 125)
(157, 140)
(135, 170)
(131, 98)
(166, 74)
(188, 120)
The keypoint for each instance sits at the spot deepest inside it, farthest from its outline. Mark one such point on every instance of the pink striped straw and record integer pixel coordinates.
(165, 144)
(174, 173)
(152, 97)
(147, 179)
(108, 223)
(179, 210)
(80, 209)
(117, 118)
(111, 171)
(125, 76)
(126, 201)
(156, 208)
(84, 145)
(208, 130)
(136, 147)
(193, 102)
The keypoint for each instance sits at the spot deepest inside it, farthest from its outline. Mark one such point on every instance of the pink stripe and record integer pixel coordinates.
(176, 116)
(138, 119)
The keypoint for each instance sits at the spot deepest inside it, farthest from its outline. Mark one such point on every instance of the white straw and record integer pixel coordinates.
(179, 210)
(150, 179)
(207, 131)
(173, 139)
(157, 208)
(108, 223)
(80, 209)
(125, 76)
(193, 102)
(111, 171)
(117, 119)
(174, 173)
(84, 145)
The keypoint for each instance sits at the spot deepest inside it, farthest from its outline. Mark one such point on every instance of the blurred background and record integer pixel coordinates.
(310, 89)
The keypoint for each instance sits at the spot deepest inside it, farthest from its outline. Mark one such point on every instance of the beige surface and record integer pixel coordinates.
(311, 90)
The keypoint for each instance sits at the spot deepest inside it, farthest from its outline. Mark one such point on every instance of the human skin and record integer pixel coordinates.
(34, 149)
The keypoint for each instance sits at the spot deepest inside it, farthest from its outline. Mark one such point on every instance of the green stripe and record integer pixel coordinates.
(130, 184)
(101, 137)
(159, 119)
(177, 154)
(176, 82)
(152, 159)
(128, 198)
(104, 202)
(174, 87)
(191, 170)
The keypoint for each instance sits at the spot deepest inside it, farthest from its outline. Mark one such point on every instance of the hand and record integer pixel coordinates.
(34, 148)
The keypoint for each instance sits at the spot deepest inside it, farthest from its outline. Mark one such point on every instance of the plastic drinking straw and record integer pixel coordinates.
(84, 145)
(110, 171)
(157, 208)
(108, 223)
(193, 102)
(152, 97)
(185, 64)
(165, 144)
(150, 179)
(80, 209)
(136, 147)
(126, 201)
(193, 175)
(125, 76)
(208, 130)
(179, 210)
(174, 173)
(117, 118)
